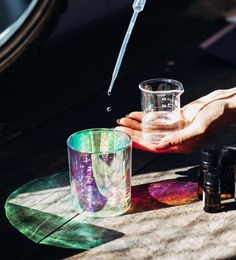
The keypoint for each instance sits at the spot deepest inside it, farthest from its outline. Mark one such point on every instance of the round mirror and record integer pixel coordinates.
(21, 23)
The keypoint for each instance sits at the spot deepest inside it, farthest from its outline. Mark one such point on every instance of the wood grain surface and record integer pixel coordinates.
(166, 220)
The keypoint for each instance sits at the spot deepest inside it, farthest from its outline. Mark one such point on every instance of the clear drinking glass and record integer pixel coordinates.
(100, 171)
(160, 100)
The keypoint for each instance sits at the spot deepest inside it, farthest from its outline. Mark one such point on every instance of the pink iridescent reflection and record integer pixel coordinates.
(174, 192)
(163, 194)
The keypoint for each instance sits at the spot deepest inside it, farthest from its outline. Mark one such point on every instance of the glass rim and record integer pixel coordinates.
(129, 140)
(180, 88)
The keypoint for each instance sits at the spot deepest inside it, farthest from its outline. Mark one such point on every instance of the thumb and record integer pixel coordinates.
(180, 137)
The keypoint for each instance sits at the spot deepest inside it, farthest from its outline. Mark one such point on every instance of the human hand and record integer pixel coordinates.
(200, 119)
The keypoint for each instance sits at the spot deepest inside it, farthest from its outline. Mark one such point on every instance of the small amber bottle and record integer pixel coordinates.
(227, 172)
(211, 191)
(209, 159)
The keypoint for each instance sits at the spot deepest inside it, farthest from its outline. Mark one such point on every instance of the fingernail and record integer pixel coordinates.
(127, 115)
(163, 145)
(118, 121)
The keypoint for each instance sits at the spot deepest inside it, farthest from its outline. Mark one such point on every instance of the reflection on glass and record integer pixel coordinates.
(100, 172)
(13, 13)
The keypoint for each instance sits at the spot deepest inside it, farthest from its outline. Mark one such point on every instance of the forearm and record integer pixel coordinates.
(231, 108)
(219, 94)
(226, 99)
(232, 101)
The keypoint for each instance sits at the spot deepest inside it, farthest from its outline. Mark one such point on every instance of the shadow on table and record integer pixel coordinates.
(166, 193)
(228, 206)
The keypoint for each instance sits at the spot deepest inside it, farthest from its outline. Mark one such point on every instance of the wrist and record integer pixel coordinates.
(231, 103)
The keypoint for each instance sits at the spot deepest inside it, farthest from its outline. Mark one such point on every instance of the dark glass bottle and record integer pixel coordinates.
(209, 160)
(211, 192)
(227, 172)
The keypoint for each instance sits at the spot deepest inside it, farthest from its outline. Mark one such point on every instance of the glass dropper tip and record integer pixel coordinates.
(109, 93)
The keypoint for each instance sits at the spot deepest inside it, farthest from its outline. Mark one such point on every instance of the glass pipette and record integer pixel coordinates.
(138, 6)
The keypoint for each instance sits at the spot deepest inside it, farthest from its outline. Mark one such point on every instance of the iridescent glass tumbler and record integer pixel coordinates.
(100, 171)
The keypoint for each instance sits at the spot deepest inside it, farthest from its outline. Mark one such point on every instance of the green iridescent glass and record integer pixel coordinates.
(100, 171)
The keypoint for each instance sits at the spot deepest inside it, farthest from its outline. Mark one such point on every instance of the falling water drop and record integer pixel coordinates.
(108, 109)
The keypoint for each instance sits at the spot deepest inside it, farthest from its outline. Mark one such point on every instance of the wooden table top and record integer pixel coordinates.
(57, 97)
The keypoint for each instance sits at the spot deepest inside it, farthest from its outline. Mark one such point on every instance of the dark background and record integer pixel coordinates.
(61, 88)
(77, 60)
